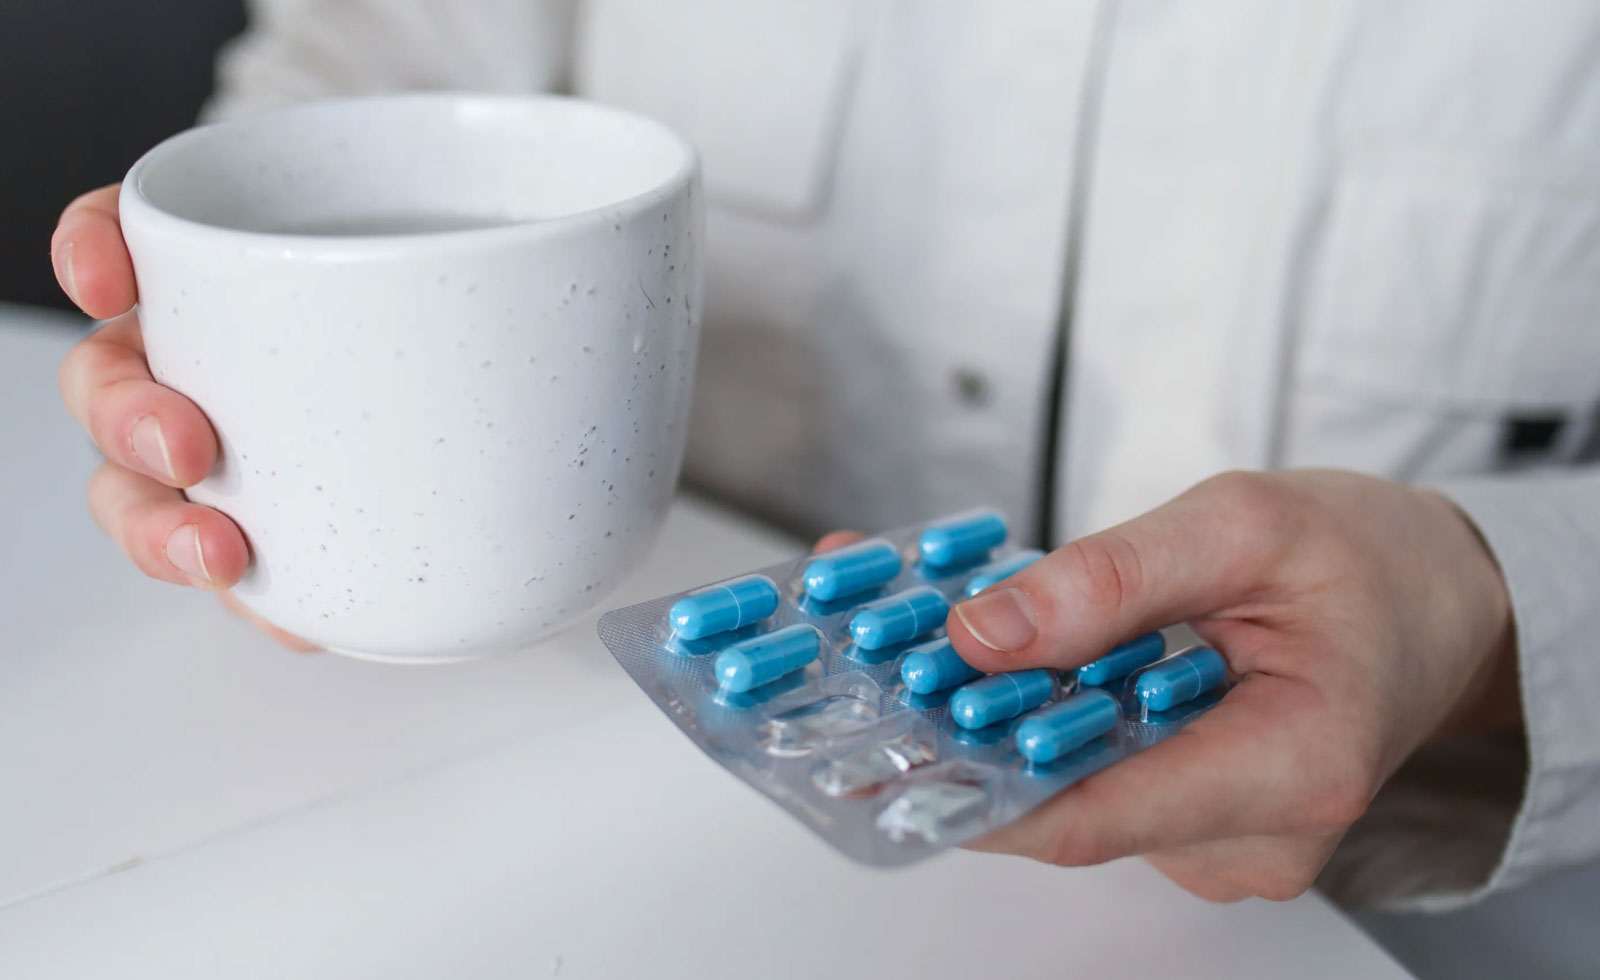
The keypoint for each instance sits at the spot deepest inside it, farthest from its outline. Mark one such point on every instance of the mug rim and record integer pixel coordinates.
(134, 202)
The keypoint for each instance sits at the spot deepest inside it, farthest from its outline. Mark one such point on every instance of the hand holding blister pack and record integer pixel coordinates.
(827, 683)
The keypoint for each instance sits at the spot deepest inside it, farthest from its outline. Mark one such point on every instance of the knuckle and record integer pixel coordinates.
(1215, 890)
(66, 376)
(90, 365)
(1279, 884)
(1263, 509)
(109, 505)
(98, 490)
(1065, 852)
(73, 208)
(76, 368)
(1335, 787)
(1080, 849)
(1260, 501)
(99, 197)
(1103, 570)
(1339, 767)
(109, 416)
(1343, 798)
(99, 418)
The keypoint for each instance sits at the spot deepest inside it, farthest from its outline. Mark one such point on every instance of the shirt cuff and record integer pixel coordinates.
(1476, 835)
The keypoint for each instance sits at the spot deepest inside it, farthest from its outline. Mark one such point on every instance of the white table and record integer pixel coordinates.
(184, 799)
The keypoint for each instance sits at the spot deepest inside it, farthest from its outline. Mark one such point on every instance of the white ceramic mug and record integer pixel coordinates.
(447, 343)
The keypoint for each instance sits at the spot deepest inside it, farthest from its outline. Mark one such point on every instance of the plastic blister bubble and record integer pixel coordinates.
(937, 806)
(865, 767)
(836, 707)
(882, 773)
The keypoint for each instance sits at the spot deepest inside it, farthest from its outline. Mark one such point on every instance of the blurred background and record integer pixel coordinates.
(90, 86)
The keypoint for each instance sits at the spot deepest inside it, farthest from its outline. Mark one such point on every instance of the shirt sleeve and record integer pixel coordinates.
(1471, 817)
(302, 50)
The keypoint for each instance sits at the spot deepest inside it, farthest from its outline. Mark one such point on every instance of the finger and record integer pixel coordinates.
(233, 604)
(1264, 761)
(137, 423)
(90, 258)
(1278, 868)
(836, 539)
(1196, 880)
(167, 537)
(1207, 551)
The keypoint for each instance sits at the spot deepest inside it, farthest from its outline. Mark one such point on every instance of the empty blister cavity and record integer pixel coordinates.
(820, 712)
(1179, 679)
(934, 666)
(962, 540)
(938, 806)
(865, 769)
(1001, 570)
(723, 607)
(1124, 659)
(1001, 697)
(1051, 733)
(851, 570)
(899, 618)
(798, 731)
(763, 659)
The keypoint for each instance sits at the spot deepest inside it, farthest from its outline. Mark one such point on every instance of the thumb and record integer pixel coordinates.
(1204, 552)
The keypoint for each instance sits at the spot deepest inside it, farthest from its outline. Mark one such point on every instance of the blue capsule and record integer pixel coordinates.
(1124, 659)
(935, 666)
(719, 608)
(1050, 734)
(1001, 696)
(899, 618)
(851, 570)
(763, 659)
(963, 539)
(1003, 569)
(1181, 678)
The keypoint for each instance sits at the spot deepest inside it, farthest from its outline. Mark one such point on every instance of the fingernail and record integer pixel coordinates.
(186, 555)
(150, 446)
(69, 279)
(1003, 620)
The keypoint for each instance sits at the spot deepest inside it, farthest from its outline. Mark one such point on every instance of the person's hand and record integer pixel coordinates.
(155, 440)
(1361, 617)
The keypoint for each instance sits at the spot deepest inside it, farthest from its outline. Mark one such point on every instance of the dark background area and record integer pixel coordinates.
(86, 86)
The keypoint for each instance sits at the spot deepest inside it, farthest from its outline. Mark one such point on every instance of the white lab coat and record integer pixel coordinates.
(1337, 232)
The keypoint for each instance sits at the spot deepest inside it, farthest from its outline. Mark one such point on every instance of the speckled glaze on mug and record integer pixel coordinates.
(447, 343)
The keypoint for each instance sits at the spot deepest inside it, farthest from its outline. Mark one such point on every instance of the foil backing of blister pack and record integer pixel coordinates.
(884, 775)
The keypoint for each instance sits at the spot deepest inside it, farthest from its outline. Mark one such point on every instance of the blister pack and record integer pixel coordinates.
(827, 683)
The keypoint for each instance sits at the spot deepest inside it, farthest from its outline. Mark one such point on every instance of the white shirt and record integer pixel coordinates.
(1265, 234)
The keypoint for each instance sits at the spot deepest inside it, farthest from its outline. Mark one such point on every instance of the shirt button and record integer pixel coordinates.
(971, 387)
